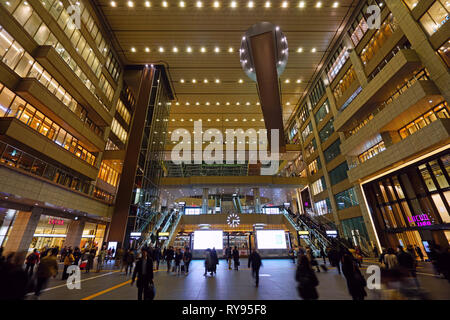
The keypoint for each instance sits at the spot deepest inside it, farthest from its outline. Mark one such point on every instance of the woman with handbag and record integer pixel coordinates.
(307, 280)
(355, 280)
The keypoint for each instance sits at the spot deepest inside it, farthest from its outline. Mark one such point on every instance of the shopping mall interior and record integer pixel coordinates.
(259, 124)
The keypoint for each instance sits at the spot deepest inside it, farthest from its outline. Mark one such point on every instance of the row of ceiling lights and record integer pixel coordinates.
(228, 103)
(202, 50)
(194, 81)
(233, 4)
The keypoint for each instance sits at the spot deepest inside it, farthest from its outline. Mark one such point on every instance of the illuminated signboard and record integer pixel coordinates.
(56, 222)
(332, 233)
(303, 234)
(163, 236)
(420, 220)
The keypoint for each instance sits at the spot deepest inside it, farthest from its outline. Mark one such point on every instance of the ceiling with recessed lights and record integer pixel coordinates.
(200, 42)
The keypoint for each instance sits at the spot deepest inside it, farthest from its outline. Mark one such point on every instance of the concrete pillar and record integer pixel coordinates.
(419, 40)
(367, 218)
(299, 202)
(74, 233)
(23, 229)
(6, 223)
(257, 200)
(324, 170)
(205, 201)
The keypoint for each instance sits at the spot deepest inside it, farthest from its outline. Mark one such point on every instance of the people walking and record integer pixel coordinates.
(187, 258)
(48, 267)
(307, 280)
(144, 273)
(254, 261)
(90, 260)
(236, 258)
(101, 258)
(229, 256)
(390, 259)
(312, 259)
(335, 258)
(208, 262)
(323, 255)
(354, 277)
(169, 257)
(419, 253)
(156, 257)
(68, 260)
(215, 260)
(76, 255)
(129, 263)
(31, 261)
(178, 260)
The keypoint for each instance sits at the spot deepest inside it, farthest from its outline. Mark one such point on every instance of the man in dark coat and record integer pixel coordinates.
(144, 272)
(157, 257)
(215, 260)
(307, 280)
(355, 280)
(236, 258)
(169, 257)
(254, 261)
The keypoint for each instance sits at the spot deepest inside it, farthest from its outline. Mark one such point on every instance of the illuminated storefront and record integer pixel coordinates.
(411, 206)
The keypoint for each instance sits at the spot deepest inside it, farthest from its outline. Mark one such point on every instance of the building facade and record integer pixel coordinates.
(374, 127)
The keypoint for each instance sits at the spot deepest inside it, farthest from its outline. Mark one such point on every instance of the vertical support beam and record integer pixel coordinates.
(205, 201)
(419, 40)
(74, 233)
(119, 219)
(324, 169)
(356, 62)
(257, 200)
(22, 231)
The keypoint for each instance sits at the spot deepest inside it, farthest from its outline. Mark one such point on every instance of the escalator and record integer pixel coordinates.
(237, 204)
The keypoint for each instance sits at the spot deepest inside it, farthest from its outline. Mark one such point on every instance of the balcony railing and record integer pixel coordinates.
(18, 159)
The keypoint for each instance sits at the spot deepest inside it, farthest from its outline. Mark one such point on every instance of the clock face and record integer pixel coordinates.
(233, 220)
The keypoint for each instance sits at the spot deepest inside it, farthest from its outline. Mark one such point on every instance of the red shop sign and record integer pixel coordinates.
(56, 222)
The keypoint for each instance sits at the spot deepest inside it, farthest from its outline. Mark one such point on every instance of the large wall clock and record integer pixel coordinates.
(233, 220)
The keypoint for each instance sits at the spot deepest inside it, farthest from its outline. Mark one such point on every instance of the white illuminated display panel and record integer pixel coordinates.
(208, 239)
(271, 239)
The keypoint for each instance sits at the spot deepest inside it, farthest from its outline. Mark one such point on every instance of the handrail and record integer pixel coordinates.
(174, 228)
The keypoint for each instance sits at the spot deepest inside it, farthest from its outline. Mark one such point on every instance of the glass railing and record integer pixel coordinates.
(16, 158)
(387, 59)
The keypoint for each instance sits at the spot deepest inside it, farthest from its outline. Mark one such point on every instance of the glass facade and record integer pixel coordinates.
(318, 186)
(323, 111)
(348, 78)
(326, 131)
(308, 130)
(332, 151)
(413, 202)
(323, 207)
(346, 199)
(339, 173)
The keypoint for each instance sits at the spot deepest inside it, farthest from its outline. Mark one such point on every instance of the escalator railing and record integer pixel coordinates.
(297, 227)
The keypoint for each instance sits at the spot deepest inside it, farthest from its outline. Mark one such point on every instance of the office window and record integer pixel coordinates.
(337, 62)
(348, 78)
(339, 173)
(318, 186)
(332, 151)
(311, 147)
(317, 92)
(436, 16)
(327, 131)
(322, 112)
(346, 199)
(314, 166)
(308, 130)
(323, 207)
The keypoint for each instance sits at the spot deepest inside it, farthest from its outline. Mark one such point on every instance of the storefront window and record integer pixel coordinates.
(346, 199)
(339, 173)
(323, 111)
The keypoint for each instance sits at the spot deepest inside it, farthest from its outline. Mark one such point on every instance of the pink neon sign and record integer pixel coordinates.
(420, 220)
(56, 222)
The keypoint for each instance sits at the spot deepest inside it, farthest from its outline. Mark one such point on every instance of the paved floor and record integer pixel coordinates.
(277, 282)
